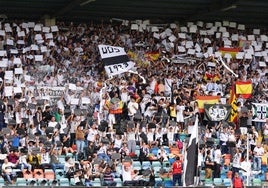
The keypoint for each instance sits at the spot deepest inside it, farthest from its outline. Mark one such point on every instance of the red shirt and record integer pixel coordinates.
(237, 182)
(177, 167)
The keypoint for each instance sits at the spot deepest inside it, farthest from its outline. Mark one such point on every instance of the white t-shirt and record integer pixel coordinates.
(259, 151)
(132, 108)
(217, 156)
(126, 174)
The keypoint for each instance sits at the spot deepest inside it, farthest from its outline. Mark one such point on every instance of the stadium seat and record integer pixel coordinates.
(31, 182)
(156, 164)
(227, 182)
(145, 165)
(42, 182)
(96, 182)
(49, 174)
(21, 182)
(118, 169)
(61, 159)
(256, 182)
(59, 174)
(136, 165)
(156, 170)
(2, 181)
(64, 182)
(208, 182)
(166, 165)
(72, 182)
(154, 151)
(119, 182)
(27, 174)
(137, 152)
(217, 181)
(38, 173)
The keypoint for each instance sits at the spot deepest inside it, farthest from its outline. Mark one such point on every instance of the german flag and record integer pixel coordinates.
(201, 100)
(232, 51)
(233, 103)
(151, 56)
(244, 88)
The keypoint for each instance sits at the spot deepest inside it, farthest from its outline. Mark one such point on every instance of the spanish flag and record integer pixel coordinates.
(232, 51)
(201, 100)
(151, 56)
(233, 103)
(213, 77)
(244, 88)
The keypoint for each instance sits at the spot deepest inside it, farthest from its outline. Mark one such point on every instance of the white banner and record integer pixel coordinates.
(115, 59)
(260, 112)
(119, 68)
(107, 51)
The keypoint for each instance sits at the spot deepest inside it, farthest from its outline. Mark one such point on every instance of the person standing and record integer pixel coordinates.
(237, 181)
(217, 160)
(258, 153)
(80, 139)
(209, 164)
(177, 171)
(236, 161)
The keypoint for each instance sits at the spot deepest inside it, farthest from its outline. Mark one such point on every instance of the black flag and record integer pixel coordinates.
(191, 157)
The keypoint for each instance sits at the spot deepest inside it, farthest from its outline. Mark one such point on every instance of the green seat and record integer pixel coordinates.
(256, 182)
(208, 182)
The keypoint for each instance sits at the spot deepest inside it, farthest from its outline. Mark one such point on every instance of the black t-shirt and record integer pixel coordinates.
(208, 159)
(188, 109)
(243, 121)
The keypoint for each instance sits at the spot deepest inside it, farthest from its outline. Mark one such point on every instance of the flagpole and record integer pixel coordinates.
(196, 182)
(247, 158)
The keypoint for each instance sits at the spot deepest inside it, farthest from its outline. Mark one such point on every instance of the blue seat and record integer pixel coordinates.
(31, 182)
(156, 164)
(64, 182)
(167, 150)
(146, 164)
(168, 183)
(154, 151)
(136, 165)
(59, 173)
(217, 181)
(227, 182)
(42, 182)
(19, 182)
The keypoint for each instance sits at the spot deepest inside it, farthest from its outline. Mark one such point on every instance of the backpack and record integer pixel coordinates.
(180, 144)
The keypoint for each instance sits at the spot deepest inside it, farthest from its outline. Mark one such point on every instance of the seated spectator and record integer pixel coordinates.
(7, 171)
(108, 178)
(124, 150)
(54, 159)
(162, 154)
(23, 163)
(102, 153)
(69, 167)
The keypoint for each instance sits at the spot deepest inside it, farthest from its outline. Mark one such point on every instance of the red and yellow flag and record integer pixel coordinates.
(233, 103)
(232, 51)
(201, 100)
(244, 88)
(151, 56)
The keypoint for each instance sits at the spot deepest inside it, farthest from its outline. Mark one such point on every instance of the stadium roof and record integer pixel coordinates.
(252, 13)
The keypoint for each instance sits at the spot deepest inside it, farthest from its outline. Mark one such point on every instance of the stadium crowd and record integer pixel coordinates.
(62, 117)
